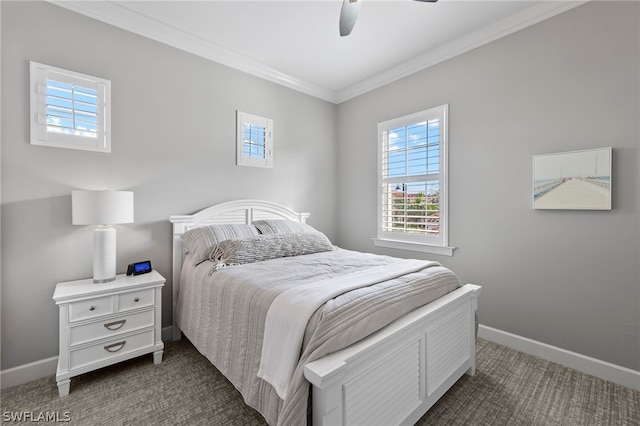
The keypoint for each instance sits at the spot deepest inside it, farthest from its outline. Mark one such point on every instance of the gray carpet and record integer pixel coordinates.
(509, 388)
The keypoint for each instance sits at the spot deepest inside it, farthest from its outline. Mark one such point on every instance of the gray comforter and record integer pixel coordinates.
(223, 315)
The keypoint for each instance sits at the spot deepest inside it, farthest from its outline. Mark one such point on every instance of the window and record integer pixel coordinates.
(69, 109)
(412, 190)
(254, 142)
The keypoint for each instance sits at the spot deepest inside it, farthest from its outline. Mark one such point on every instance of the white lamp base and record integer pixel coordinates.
(104, 254)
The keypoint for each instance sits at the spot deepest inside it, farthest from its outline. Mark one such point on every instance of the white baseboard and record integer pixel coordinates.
(46, 367)
(592, 366)
(28, 372)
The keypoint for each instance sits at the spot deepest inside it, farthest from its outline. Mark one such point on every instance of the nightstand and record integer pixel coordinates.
(102, 324)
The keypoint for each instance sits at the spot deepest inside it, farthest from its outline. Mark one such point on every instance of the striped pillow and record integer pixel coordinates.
(282, 226)
(200, 241)
(266, 247)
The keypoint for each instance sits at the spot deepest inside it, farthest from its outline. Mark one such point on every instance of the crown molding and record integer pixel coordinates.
(120, 16)
(524, 19)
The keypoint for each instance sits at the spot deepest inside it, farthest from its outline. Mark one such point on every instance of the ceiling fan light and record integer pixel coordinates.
(348, 16)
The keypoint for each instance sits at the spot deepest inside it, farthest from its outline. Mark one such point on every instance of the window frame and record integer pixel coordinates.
(409, 241)
(257, 121)
(39, 75)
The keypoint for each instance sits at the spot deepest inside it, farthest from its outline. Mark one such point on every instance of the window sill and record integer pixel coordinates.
(404, 245)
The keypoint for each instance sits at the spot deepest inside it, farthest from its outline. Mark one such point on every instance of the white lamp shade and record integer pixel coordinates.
(101, 207)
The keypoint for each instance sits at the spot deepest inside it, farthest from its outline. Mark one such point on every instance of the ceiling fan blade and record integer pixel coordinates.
(428, 1)
(348, 16)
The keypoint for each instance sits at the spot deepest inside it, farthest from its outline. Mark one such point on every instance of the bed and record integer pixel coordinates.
(382, 351)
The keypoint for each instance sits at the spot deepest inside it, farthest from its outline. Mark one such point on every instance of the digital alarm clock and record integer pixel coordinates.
(139, 268)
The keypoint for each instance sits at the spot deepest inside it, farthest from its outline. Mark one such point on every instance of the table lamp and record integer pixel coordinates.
(103, 208)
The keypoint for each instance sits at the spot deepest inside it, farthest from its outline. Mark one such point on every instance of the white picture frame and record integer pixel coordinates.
(575, 180)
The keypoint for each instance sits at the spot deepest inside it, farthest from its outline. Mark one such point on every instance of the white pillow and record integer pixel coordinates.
(200, 241)
(282, 226)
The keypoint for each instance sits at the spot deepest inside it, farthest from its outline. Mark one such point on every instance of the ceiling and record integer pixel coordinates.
(296, 43)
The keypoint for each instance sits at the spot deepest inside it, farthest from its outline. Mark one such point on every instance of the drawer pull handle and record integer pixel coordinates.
(119, 345)
(137, 299)
(115, 325)
(92, 308)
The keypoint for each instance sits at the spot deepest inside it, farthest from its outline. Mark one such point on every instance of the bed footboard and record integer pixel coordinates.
(395, 375)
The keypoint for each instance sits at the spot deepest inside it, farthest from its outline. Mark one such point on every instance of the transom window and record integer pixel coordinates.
(69, 109)
(412, 209)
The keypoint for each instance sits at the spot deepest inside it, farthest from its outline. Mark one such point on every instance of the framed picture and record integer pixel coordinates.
(577, 180)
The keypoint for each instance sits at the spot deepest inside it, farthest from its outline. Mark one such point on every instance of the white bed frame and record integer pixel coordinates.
(391, 377)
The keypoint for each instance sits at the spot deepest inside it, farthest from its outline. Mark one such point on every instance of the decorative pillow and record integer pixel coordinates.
(266, 247)
(282, 226)
(200, 241)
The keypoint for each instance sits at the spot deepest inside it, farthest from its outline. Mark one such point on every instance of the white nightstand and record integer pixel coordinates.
(102, 324)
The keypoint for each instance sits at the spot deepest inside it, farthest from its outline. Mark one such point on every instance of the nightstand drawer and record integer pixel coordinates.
(110, 349)
(90, 308)
(135, 300)
(111, 327)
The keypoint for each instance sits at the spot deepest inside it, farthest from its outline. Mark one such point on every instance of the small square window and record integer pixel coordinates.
(69, 109)
(254, 140)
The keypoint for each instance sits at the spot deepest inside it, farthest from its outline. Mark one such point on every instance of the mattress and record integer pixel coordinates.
(223, 312)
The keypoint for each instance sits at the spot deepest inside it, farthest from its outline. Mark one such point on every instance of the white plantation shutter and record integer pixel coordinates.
(254, 143)
(69, 109)
(412, 190)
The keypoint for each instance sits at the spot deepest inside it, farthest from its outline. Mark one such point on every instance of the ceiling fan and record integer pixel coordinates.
(349, 15)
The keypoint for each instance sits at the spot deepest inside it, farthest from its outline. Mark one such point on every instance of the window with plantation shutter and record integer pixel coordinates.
(254, 140)
(69, 109)
(412, 190)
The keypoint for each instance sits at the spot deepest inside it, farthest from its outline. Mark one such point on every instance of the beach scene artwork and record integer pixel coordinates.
(578, 180)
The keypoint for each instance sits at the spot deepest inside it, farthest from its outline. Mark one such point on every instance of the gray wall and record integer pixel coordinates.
(570, 279)
(173, 127)
(566, 278)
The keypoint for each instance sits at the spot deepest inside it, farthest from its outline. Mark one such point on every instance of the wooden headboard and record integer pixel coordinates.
(239, 211)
